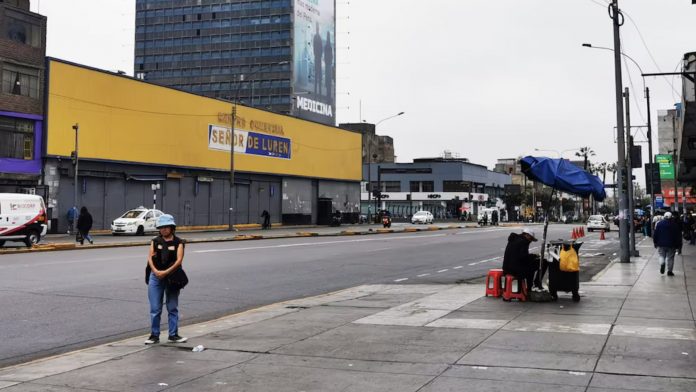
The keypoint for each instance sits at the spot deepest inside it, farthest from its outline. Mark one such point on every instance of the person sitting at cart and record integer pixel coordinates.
(517, 260)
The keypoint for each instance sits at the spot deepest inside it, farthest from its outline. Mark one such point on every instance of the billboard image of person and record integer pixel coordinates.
(314, 60)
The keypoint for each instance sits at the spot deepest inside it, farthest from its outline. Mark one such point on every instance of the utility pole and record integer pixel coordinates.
(618, 20)
(379, 188)
(629, 177)
(675, 205)
(232, 143)
(76, 162)
(369, 181)
(650, 158)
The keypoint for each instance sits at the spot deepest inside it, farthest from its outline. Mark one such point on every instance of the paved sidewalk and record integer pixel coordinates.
(633, 330)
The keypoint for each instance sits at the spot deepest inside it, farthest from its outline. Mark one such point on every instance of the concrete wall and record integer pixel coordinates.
(665, 130)
(110, 189)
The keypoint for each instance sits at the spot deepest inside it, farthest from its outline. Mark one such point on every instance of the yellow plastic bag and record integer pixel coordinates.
(569, 260)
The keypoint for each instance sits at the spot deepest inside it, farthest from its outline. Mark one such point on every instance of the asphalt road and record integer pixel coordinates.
(60, 301)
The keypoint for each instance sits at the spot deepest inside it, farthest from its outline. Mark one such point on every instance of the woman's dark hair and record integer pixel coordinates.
(83, 210)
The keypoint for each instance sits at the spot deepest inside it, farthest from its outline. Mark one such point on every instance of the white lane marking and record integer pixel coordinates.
(422, 275)
(382, 238)
(31, 264)
(483, 231)
(486, 261)
(444, 270)
(459, 266)
(400, 280)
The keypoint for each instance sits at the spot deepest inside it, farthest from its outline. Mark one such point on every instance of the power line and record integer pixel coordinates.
(603, 5)
(630, 81)
(642, 39)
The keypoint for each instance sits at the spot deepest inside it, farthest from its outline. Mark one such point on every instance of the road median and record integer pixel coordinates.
(60, 246)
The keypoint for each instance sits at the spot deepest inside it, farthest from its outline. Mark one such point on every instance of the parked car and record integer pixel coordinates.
(424, 217)
(137, 221)
(598, 222)
(22, 218)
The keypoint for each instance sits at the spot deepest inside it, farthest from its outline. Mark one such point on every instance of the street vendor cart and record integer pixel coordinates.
(562, 280)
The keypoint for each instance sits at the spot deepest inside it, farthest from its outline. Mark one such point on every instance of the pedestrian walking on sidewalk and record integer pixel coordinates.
(688, 228)
(266, 220)
(164, 261)
(667, 239)
(70, 216)
(84, 225)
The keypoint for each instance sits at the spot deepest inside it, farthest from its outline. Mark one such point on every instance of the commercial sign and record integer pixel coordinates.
(314, 54)
(127, 120)
(246, 142)
(666, 166)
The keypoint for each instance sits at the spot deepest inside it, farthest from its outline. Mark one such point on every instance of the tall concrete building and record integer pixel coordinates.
(22, 63)
(668, 124)
(276, 55)
(375, 148)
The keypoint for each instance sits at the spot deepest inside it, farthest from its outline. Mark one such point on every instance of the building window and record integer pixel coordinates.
(23, 32)
(20, 81)
(392, 186)
(16, 138)
(386, 186)
(422, 186)
(455, 186)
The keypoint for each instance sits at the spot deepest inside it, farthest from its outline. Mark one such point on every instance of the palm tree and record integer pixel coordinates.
(602, 168)
(585, 153)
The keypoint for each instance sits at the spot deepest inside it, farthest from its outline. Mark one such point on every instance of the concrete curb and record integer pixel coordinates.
(301, 234)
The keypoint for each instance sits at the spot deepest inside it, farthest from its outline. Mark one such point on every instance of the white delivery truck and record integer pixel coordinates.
(22, 218)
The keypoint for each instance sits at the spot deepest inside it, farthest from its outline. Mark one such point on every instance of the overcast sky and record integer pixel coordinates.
(485, 79)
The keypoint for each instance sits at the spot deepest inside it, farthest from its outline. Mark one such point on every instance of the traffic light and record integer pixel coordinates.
(73, 157)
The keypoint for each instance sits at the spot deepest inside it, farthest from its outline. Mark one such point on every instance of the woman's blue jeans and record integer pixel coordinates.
(155, 292)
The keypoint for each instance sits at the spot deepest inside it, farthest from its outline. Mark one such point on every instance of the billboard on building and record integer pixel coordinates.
(127, 120)
(666, 166)
(314, 60)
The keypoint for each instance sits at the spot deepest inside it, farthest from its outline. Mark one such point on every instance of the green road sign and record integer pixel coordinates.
(666, 166)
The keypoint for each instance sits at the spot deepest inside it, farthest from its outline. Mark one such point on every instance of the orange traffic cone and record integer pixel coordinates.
(582, 231)
(601, 236)
(573, 235)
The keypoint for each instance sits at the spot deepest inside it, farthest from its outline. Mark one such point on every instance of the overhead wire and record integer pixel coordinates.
(630, 82)
(645, 45)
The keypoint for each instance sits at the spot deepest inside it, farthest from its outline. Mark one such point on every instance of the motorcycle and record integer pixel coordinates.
(386, 221)
(336, 219)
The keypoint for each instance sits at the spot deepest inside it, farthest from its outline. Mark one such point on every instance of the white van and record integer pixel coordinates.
(22, 218)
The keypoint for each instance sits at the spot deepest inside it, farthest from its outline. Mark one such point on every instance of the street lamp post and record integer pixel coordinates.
(647, 100)
(76, 162)
(617, 21)
(629, 178)
(369, 165)
(233, 141)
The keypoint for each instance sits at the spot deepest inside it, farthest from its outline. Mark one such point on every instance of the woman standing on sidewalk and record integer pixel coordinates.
(166, 257)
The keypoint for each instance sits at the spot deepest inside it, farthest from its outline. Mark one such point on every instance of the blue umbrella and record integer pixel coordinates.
(562, 175)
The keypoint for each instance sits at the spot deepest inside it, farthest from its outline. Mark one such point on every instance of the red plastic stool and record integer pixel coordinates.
(520, 294)
(494, 283)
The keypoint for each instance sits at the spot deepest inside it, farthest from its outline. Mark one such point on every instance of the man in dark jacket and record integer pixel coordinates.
(518, 261)
(667, 239)
(84, 225)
